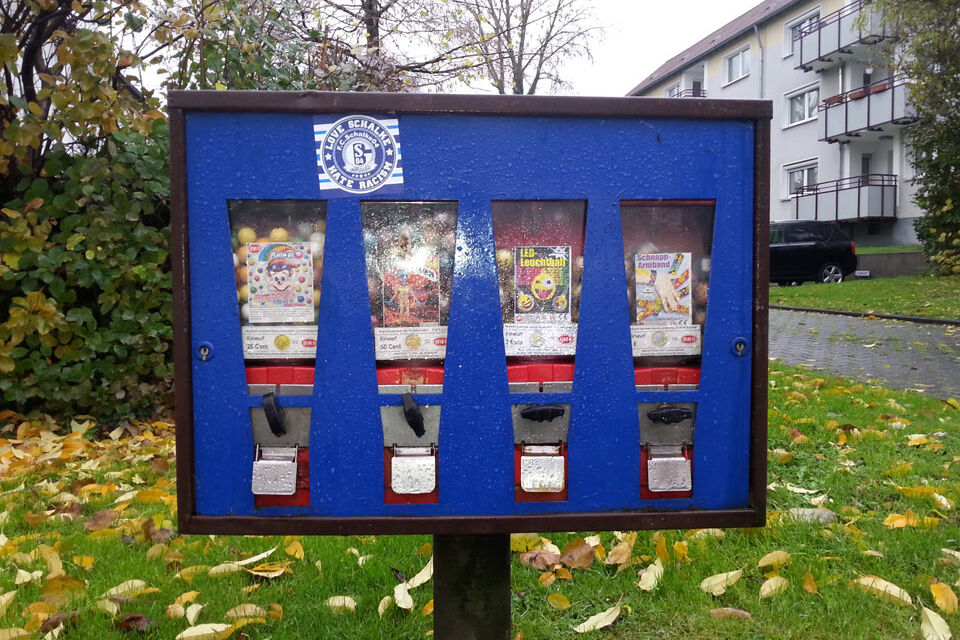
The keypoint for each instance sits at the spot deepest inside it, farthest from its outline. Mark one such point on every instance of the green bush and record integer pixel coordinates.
(939, 232)
(85, 285)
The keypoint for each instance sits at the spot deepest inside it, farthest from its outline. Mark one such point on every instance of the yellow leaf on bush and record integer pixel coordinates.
(558, 601)
(944, 596)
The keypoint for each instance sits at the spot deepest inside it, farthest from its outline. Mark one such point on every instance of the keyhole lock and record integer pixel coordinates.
(740, 346)
(204, 351)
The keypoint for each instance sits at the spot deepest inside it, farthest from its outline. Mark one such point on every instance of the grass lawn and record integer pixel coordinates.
(927, 296)
(912, 248)
(81, 517)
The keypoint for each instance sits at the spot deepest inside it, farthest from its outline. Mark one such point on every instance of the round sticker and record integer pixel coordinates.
(358, 154)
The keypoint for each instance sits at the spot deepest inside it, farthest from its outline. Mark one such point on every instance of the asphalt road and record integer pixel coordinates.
(896, 354)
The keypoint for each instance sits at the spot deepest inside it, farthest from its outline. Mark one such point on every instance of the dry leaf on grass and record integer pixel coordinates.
(539, 559)
(578, 554)
(385, 603)
(209, 631)
(773, 586)
(717, 584)
(600, 620)
(881, 587)
(944, 596)
(401, 595)
(774, 559)
(728, 612)
(341, 604)
(651, 576)
(558, 601)
(933, 626)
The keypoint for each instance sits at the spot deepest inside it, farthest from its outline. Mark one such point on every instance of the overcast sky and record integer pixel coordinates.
(643, 34)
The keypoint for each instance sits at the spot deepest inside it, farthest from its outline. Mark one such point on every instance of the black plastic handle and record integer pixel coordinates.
(669, 415)
(274, 414)
(413, 415)
(542, 413)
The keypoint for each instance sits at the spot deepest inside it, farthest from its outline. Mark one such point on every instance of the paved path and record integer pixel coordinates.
(900, 355)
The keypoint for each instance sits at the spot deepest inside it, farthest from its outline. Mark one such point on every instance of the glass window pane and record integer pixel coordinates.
(667, 248)
(409, 250)
(539, 265)
(813, 97)
(745, 62)
(796, 180)
(278, 256)
(812, 175)
(796, 109)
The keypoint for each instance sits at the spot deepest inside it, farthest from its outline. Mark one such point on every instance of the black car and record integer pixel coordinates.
(808, 250)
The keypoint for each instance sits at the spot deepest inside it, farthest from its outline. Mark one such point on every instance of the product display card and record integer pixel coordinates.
(280, 278)
(663, 289)
(542, 285)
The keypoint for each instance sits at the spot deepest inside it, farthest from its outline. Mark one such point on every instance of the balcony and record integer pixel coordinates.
(691, 93)
(866, 112)
(838, 35)
(868, 197)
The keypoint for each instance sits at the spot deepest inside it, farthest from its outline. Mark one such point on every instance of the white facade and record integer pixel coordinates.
(836, 143)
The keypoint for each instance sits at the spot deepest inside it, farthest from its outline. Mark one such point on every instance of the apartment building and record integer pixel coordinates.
(837, 146)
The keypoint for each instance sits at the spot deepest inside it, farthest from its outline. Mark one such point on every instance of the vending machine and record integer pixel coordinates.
(468, 314)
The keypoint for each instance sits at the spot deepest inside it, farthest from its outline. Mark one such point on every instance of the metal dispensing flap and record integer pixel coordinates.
(667, 423)
(542, 473)
(668, 469)
(413, 470)
(275, 471)
(540, 424)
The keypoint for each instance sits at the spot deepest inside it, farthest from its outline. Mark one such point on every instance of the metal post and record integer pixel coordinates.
(471, 587)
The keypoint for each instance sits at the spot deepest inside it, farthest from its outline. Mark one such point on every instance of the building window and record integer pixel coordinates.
(792, 30)
(802, 105)
(799, 175)
(673, 91)
(737, 65)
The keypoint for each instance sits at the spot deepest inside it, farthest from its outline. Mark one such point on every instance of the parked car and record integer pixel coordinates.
(808, 250)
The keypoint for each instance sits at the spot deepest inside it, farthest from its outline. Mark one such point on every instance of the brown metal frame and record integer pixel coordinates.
(758, 112)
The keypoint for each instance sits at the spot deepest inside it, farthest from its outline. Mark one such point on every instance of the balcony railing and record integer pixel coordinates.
(884, 103)
(872, 196)
(691, 93)
(821, 44)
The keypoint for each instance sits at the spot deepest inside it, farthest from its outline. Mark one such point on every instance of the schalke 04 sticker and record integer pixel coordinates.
(359, 154)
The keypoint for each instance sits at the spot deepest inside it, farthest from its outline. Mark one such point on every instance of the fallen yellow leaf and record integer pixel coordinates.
(600, 620)
(944, 596)
(774, 559)
(809, 584)
(651, 576)
(773, 586)
(295, 550)
(341, 604)
(428, 608)
(933, 626)
(717, 584)
(558, 601)
(881, 587)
